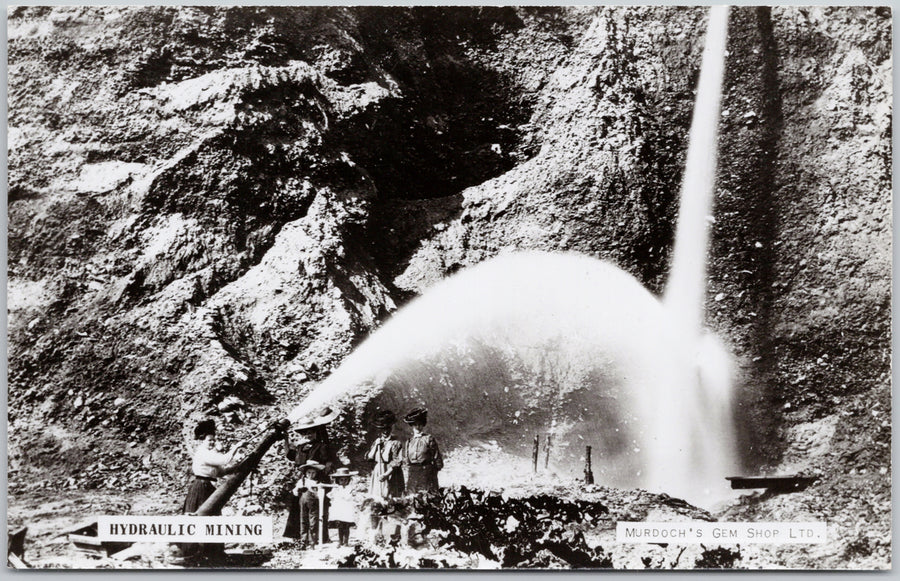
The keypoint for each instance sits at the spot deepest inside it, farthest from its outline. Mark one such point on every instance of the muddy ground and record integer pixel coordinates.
(502, 517)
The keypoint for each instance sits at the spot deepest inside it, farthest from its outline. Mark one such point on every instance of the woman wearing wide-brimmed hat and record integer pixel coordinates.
(386, 480)
(421, 455)
(314, 446)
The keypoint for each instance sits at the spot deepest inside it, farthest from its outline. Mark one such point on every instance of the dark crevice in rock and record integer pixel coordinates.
(762, 214)
(744, 246)
(395, 239)
(455, 126)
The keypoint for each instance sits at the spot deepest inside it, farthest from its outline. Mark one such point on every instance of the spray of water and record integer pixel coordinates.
(533, 343)
(686, 288)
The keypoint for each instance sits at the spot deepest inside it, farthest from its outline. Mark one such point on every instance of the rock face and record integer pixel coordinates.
(214, 205)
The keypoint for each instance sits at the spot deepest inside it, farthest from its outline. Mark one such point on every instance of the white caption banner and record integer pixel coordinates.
(721, 532)
(185, 528)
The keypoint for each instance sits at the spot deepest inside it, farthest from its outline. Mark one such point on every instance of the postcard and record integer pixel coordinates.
(449, 287)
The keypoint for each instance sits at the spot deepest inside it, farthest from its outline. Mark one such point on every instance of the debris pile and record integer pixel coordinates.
(463, 527)
(538, 531)
(718, 558)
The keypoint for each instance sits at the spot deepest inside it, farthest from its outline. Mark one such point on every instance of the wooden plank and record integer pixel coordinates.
(94, 546)
(15, 562)
(128, 553)
(784, 483)
(85, 540)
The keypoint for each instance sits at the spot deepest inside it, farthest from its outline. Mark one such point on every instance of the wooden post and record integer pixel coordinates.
(320, 492)
(547, 457)
(534, 454)
(588, 473)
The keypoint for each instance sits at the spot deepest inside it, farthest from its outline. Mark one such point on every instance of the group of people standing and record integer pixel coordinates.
(420, 456)
(400, 468)
(317, 464)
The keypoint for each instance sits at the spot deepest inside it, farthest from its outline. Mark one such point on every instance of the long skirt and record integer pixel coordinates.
(199, 490)
(392, 487)
(213, 553)
(422, 477)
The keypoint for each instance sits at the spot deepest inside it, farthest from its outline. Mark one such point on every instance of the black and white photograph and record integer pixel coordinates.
(449, 287)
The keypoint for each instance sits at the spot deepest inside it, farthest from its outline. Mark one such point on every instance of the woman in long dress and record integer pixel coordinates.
(386, 481)
(421, 455)
(208, 464)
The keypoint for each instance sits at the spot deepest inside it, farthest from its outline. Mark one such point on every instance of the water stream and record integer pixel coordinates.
(531, 343)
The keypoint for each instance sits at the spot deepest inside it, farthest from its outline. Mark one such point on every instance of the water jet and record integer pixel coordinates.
(539, 342)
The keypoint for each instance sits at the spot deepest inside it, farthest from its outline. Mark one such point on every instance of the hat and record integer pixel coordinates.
(416, 416)
(313, 465)
(384, 419)
(342, 472)
(205, 428)
(312, 421)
